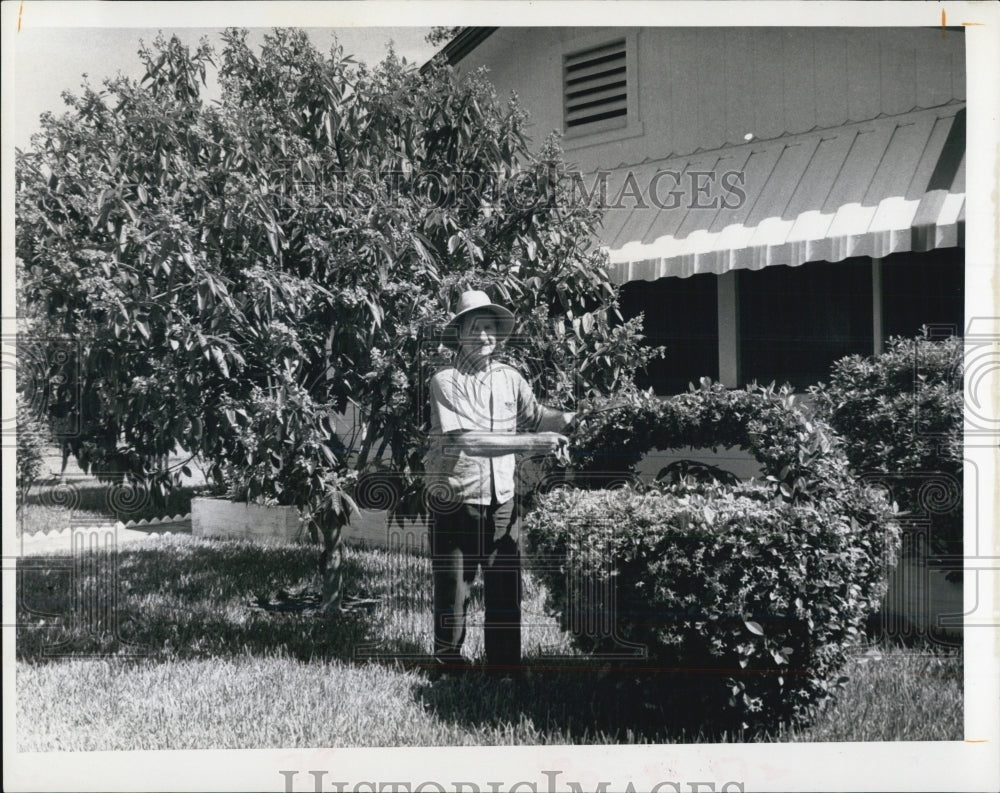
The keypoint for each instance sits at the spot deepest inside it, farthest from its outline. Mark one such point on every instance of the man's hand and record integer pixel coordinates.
(558, 445)
(562, 450)
(551, 441)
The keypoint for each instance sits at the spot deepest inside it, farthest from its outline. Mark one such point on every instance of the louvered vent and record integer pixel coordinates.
(595, 87)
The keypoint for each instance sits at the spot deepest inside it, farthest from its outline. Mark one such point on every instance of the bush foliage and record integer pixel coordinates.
(800, 456)
(32, 443)
(746, 598)
(900, 414)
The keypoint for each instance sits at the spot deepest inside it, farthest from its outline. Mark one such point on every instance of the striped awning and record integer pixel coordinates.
(873, 188)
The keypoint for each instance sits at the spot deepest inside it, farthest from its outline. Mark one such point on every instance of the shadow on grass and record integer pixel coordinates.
(179, 597)
(576, 701)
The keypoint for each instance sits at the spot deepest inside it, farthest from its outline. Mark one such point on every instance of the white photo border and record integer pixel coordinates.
(960, 765)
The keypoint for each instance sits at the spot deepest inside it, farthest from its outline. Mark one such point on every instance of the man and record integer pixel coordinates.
(480, 410)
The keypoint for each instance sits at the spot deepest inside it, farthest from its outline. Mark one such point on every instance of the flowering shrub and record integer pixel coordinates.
(900, 414)
(745, 597)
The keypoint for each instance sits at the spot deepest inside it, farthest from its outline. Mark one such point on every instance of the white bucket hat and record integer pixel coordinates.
(476, 301)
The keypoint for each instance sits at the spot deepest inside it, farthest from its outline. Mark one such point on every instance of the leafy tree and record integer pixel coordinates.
(238, 272)
(441, 34)
(32, 439)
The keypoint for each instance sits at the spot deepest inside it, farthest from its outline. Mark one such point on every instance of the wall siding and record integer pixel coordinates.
(711, 106)
(831, 57)
(898, 74)
(740, 103)
(800, 98)
(863, 76)
(769, 66)
(933, 77)
(706, 88)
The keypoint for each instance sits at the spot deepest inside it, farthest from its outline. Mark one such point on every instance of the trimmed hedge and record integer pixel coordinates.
(900, 414)
(746, 597)
(800, 456)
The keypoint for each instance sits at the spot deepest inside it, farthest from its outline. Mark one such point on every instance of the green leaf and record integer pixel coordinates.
(220, 361)
(754, 627)
(351, 505)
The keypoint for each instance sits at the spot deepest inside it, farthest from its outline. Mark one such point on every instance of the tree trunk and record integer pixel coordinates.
(330, 564)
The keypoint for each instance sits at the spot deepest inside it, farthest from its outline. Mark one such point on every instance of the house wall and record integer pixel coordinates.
(702, 88)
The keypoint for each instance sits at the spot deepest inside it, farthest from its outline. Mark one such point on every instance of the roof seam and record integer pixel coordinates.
(788, 135)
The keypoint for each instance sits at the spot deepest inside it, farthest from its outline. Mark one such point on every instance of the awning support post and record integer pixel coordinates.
(729, 329)
(877, 329)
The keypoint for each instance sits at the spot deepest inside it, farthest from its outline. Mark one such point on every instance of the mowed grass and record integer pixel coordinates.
(893, 694)
(161, 646)
(252, 702)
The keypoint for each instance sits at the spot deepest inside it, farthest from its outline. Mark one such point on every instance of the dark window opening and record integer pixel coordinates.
(796, 321)
(923, 289)
(680, 314)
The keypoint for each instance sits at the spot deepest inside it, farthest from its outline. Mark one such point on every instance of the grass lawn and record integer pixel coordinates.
(192, 663)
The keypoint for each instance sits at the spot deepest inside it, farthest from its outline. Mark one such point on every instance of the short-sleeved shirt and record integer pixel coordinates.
(495, 399)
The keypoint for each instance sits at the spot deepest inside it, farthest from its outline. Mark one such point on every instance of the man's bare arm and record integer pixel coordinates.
(496, 444)
(552, 420)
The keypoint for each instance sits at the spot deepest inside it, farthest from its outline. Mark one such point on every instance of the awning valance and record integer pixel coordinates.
(873, 188)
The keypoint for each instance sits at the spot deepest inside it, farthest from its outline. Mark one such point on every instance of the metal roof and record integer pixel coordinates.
(883, 186)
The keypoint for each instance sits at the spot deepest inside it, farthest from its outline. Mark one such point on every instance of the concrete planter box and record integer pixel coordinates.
(219, 517)
(372, 528)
